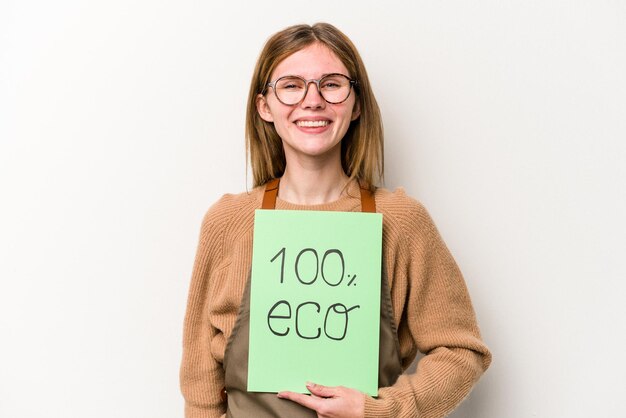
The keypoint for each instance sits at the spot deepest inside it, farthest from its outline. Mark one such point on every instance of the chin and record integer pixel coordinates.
(318, 151)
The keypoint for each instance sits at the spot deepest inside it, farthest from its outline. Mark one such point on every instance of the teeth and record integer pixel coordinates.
(312, 123)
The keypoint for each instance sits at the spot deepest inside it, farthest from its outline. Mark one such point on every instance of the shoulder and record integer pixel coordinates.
(229, 210)
(400, 205)
(403, 212)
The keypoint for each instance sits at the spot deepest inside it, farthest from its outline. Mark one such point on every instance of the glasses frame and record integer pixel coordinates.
(272, 84)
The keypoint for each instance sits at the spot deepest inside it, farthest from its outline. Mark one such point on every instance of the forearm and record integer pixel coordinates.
(443, 379)
(201, 388)
(201, 376)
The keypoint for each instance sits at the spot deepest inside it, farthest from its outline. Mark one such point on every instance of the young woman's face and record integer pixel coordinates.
(312, 128)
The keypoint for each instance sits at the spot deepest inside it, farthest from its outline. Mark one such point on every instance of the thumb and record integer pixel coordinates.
(321, 391)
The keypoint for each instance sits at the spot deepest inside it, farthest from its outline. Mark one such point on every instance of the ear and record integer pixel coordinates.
(263, 108)
(356, 110)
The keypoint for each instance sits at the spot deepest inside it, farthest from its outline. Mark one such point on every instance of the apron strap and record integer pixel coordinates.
(368, 203)
(271, 191)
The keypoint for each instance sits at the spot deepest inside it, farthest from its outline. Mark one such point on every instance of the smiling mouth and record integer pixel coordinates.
(312, 123)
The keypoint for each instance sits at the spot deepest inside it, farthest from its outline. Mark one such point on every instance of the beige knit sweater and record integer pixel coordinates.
(432, 309)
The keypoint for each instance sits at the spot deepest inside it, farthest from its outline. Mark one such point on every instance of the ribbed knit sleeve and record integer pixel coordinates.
(442, 325)
(201, 376)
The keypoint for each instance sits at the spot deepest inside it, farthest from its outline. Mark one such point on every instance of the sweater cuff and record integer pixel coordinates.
(379, 408)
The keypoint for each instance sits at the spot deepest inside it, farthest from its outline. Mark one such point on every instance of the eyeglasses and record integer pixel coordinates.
(291, 89)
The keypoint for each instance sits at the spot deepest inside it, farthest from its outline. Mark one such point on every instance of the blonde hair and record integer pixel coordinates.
(361, 147)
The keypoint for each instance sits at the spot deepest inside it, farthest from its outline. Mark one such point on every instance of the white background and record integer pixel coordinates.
(122, 121)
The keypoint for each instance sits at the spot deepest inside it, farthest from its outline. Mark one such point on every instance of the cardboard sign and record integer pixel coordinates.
(315, 300)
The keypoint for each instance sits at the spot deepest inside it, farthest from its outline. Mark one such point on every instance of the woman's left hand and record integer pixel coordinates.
(330, 402)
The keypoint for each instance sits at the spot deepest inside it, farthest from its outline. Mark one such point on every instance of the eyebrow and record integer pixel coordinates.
(322, 76)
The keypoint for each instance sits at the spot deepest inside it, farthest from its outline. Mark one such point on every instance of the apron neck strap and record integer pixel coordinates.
(368, 204)
(271, 192)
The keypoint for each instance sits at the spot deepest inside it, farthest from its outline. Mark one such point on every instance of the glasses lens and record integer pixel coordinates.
(290, 90)
(335, 88)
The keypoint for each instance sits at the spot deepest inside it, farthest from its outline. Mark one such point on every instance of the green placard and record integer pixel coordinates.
(315, 300)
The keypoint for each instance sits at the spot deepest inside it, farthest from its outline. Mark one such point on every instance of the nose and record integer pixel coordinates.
(312, 99)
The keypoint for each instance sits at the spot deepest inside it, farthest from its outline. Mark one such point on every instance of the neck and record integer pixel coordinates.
(312, 186)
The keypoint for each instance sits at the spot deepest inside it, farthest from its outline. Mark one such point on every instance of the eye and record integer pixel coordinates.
(333, 83)
(290, 84)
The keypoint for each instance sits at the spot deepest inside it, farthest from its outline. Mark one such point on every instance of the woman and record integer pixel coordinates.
(315, 141)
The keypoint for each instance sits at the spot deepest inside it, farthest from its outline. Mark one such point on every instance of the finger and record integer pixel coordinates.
(313, 395)
(322, 391)
(304, 400)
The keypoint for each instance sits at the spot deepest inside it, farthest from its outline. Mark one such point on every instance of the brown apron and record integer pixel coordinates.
(243, 404)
